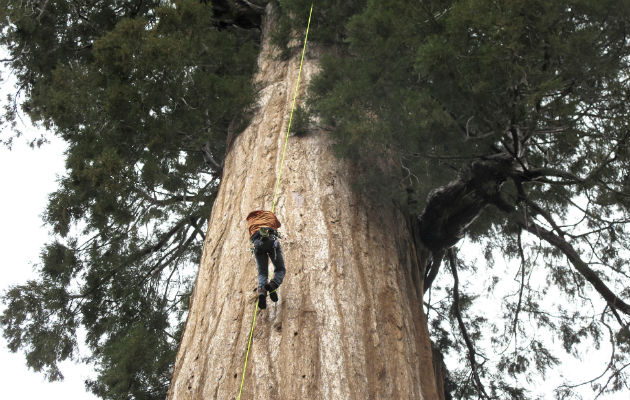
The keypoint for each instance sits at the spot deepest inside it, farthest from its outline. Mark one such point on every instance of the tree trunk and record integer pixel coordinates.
(350, 322)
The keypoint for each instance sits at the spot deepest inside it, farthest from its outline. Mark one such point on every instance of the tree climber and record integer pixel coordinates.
(263, 234)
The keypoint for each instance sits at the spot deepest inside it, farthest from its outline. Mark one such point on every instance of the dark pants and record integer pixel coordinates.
(265, 249)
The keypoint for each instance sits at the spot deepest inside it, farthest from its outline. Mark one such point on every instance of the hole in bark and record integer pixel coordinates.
(235, 376)
(295, 333)
(303, 376)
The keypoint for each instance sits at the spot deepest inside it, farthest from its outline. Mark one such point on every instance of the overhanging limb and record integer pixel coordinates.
(611, 298)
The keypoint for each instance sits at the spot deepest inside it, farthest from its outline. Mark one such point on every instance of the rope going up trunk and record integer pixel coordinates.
(286, 139)
(275, 196)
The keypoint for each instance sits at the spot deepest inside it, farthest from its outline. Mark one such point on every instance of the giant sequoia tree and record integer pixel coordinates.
(502, 120)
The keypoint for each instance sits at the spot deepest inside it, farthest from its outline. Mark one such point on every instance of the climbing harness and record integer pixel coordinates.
(264, 232)
(265, 239)
(275, 196)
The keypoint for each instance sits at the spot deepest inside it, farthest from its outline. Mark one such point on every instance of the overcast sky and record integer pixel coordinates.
(26, 177)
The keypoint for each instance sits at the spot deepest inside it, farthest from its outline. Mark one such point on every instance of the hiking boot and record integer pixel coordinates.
(272, 288)
(262, 298)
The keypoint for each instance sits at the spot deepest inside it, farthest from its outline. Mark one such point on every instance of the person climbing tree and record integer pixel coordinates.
(263, 234)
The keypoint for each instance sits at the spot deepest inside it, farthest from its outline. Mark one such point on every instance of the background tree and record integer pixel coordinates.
(145, 93)
(505, 121)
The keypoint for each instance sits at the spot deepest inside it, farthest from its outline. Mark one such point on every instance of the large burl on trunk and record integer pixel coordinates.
(349, 323)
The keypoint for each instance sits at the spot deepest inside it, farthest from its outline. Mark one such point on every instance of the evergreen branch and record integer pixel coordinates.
(582, 267)
(615, 375)
(449, 157)
(453, 207)
(136, 256)
(170, 200)
(433, 269)
(551, 131)
(168, 283)
(182, 248)
(537, 209)
(540, 174)
(462, 327)
(197, 226)
(178, 250)
(610, 364)
(41, 12)
(163, 240)
(171, 336)
(516, 142)
(606, 265)
(522, 286)
(253, 6)
(160, 264)
(595, 254)
(586, 212)
(536, 174)
(207, 156)
(606, 185)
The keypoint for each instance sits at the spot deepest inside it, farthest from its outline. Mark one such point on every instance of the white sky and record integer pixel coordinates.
(26, 177)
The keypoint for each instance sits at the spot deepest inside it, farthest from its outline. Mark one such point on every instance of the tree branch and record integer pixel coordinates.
(196, 225)
(471, 348)
(609, 366)
(41, 12)
(537, 209)
(453, 207)
(522, 286)
(573, 256)
(534, 174)
(433, 269)
(207, 156)
(253, 6)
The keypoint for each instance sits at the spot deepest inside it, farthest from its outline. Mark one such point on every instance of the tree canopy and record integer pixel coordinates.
(505, 121)
(146, 94)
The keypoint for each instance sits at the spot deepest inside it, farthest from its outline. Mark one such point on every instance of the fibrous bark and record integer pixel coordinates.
(349, 323)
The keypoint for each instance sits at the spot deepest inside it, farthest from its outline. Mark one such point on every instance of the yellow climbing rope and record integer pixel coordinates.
(286, 139)
(251, 333)
(275, 195)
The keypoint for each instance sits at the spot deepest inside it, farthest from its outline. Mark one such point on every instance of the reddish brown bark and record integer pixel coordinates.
(350, 322)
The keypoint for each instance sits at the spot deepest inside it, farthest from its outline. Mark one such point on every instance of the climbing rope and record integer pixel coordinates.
(251, 333)
(286, 139)
(275, 195)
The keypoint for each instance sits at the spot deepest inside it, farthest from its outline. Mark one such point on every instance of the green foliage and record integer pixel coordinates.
(301, 121)
(328, 21)
(140, 91)
(420, 96)
(440, 83)
(39, 318)
(419, 93)
(137, 363)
